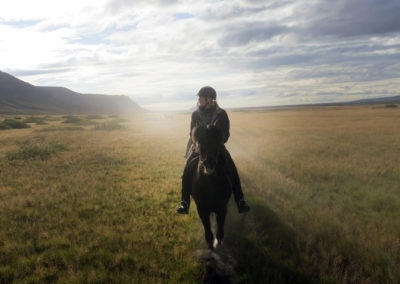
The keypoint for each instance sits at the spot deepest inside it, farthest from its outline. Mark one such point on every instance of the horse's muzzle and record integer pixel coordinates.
(208, 171)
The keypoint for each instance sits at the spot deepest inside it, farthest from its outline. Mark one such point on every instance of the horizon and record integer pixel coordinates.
(192, 108)
(160, 53)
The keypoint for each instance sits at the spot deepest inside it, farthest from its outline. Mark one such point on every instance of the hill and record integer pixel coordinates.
(384, 100)
(371, 101)
(17, 96)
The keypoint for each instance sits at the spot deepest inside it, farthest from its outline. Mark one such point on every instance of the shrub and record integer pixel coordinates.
(94, 116)
(109, 126)
(36, 119)
(391, 106)
(71, 119)
(52, 118)
(12, 124)
(56, 128)
(78, 121)
(4, 126)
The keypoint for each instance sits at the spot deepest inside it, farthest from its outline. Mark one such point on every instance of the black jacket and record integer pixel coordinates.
(214, 116)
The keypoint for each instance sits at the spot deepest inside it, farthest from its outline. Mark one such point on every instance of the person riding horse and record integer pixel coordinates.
(209, 113)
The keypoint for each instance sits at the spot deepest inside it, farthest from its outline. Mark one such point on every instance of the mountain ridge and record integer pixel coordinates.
(17, 96)
(369, 101)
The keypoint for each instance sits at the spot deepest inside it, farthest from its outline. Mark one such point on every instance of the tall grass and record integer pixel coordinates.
(41, 152)
(322, 184)
(101, 212)
(332, 176)
(110, 125)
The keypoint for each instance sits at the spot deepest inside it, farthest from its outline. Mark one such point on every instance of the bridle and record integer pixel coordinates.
(202, 160)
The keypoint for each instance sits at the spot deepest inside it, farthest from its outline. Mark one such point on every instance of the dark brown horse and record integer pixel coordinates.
(211, 186)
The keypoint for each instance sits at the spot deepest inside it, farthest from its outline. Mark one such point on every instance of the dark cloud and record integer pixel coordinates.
(228, 11)
(361, 60)
(346, 18)
(244, 33)
(361, 70)
(311, 22)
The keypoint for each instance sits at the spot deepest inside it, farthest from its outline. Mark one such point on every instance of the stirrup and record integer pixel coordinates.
(183, 208)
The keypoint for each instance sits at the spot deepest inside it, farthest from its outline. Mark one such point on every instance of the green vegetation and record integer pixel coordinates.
(101, 212)
(110, 125)
(322, 184)
(95, 116)
(71, 119)
(36, 119)
(12, 124)
(42, 152)
(391, 106)
(52, 118)
(59, 128)
(76, 120)
(331, 176)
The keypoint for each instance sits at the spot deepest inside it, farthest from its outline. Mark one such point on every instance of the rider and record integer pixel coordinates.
(209, 113)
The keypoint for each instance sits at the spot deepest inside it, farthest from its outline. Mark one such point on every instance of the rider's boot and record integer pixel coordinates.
(242, 206)
(183, 207)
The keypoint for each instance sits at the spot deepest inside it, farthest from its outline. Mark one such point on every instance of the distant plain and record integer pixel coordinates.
(91, 199)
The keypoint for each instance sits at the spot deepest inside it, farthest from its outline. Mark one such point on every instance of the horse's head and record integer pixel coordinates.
(208, 142)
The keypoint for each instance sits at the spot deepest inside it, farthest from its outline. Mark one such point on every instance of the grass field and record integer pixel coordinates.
(92, 199)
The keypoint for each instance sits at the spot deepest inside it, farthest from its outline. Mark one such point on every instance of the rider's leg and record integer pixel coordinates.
(236, 185)
(186, 184)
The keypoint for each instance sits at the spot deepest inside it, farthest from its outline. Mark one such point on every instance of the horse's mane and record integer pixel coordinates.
(207, 134)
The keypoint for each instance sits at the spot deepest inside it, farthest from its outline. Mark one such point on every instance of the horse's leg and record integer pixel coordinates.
(205, 219)
(220, 224)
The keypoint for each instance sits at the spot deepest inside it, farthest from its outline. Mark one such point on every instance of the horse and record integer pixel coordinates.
(211, 186)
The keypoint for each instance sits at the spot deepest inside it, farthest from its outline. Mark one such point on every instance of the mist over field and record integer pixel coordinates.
(92, 198)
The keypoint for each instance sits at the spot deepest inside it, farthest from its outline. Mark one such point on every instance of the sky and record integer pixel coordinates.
(161, 52)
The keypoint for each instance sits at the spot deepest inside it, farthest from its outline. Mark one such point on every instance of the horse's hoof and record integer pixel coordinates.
(217, 243)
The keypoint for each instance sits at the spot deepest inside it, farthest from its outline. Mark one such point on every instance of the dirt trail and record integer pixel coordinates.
(220, 263)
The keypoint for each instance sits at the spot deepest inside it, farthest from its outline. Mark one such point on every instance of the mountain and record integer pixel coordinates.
(17, 96)
(372, 101)
(384, 100)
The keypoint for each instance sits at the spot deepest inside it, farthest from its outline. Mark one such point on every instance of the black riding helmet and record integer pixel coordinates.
(207, 92)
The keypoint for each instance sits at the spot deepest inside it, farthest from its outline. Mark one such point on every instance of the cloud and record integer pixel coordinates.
(181, 16)
(353, 18)
(245, 33)
(161, 52)
(118, 6)
(20, 23)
